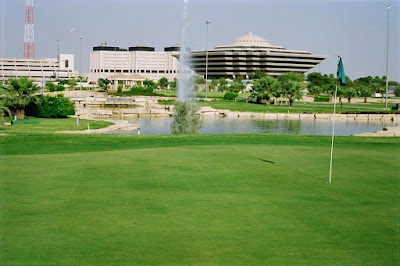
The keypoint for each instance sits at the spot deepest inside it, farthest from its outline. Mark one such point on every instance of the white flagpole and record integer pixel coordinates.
(333, 136)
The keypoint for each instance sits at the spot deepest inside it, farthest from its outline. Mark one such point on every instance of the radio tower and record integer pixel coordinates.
(29, 37)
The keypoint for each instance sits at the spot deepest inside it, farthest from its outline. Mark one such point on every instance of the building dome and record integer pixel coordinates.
(250, 40)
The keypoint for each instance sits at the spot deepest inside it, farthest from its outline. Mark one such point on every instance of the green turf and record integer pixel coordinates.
(299, 107)
(43, 125)
(224, 199)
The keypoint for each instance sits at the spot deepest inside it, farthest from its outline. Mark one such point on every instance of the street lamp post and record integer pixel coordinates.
(58, 59)
(80, 59)
(80, 55)
(115, 60)
(387, 58)
(207, 22)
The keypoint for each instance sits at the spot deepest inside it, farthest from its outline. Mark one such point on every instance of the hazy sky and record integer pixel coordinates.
(354, 29)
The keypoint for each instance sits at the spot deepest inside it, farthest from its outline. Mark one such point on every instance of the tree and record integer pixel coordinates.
(349, 92)
(149, 84)
(317, 79)
(376, 87)
(81, 79)
(291, 76)
(213, 84)
(62, 81)
(314, 90)
(163, 83)
(18, 93)
(223, 84)
(236, 87)
(173, 84)
(72, 83)
(199, 80)
(186, 120)
(259, 74)
(50, 86)
(3, 109)
(103, 83)
(264, 89)
(292, 90)
(397, 91)
(365, 92)
(55, 107)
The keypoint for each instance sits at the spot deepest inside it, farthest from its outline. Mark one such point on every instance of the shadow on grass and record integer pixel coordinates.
(291, 169)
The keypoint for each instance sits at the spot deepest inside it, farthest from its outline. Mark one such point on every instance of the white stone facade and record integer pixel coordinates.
(48, 69)
(150, 64)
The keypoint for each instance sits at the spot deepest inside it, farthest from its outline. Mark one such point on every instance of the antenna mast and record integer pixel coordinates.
(29, 36)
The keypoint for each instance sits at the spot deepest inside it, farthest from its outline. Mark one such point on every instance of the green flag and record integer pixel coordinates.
(340, 73)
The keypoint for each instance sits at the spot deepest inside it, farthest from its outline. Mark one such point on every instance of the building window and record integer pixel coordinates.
(66, 64)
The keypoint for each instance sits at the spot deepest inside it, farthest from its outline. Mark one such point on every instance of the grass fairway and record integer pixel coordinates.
(222, 199)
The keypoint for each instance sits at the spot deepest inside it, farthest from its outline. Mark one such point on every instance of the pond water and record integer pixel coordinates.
(226, 125)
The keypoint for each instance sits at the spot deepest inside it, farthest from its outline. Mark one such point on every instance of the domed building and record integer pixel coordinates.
(249, 53)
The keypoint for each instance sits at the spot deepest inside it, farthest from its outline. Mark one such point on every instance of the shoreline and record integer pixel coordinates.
(122, 125)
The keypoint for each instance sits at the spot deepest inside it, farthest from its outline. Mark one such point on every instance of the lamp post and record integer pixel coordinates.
(58, 59)
(115, 60)
(80, 55)
(387, 58)
(207, 22)
(80, 59)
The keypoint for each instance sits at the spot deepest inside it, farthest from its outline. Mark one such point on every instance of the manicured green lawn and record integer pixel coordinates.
(251, 199)
(52, 125)
(299, 107)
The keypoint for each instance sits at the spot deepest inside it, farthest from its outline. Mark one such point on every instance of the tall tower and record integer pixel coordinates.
(29, 37)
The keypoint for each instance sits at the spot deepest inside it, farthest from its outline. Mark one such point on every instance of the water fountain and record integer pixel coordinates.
(186, 121)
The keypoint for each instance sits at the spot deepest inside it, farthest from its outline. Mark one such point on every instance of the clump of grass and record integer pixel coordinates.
(186, 120)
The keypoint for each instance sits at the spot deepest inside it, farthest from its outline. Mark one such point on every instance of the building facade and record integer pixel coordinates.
(249, 53)
(48, 69)
(145, 61)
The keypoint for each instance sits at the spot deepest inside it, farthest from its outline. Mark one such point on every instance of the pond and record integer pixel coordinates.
(226, 125)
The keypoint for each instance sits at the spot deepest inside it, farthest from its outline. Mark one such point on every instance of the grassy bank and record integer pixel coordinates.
(43, 125)
(221, 199)
(300, 107)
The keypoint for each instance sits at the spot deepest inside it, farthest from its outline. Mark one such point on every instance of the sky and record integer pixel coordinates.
(354, 29)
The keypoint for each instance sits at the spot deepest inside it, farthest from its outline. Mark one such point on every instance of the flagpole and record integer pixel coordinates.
(333, 135)
(342, 76)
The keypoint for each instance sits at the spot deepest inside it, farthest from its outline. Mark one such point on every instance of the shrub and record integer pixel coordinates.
(186, 120)
(229, 96)
(322, 98)
(120, 88)
(397, 91)
(241, 99)
(54, 107)
(59, 87)
(138, 89)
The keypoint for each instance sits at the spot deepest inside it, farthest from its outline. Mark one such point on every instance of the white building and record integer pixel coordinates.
(249, 53)
(145, 61)
(48, 69)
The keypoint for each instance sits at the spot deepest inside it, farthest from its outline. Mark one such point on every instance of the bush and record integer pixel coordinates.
(54, 107)
(322, 99)
(138, 89)
(397, 91)
(241, 99)
(186, 120)
(59, 87)
(120, 88)
(229, 96)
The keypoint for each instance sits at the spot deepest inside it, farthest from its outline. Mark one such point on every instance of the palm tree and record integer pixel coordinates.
(163, 83)
(292, 90)
(365, 92)
(264, 89)
(18, 93)
(349, 92)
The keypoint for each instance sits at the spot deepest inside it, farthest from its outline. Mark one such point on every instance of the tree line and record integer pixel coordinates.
(20, 94)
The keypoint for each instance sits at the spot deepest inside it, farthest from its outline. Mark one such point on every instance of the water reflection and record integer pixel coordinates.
(223, 125)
